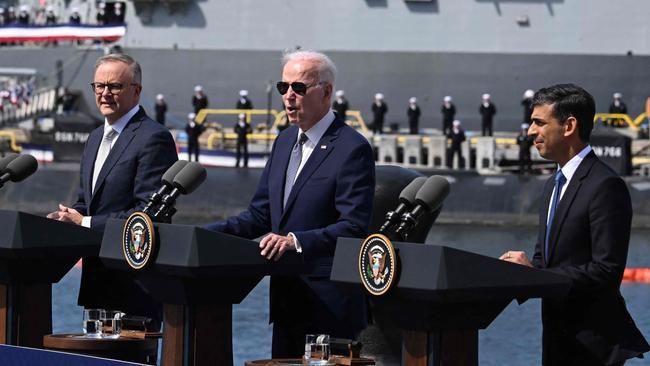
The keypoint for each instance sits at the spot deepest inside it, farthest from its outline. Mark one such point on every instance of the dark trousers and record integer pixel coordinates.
(193, 148)
(242, 146)
(486, 129)
(450, 158)
(377, 127)
(525, 164)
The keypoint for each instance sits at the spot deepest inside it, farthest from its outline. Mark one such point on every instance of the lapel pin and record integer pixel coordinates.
(323, 147)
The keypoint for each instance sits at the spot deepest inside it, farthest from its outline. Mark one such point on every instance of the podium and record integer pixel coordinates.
(34, 253)
(443, 296)
(198, 275)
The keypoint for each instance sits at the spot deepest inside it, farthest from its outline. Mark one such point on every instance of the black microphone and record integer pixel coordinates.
(19, 168)
(6, 160)
(406, 201)
(185, 182)
(168, 184)
(428, 199)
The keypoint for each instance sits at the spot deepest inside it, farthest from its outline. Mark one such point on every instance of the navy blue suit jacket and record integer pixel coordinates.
(132, 171)
(588, 243)
(331, 198)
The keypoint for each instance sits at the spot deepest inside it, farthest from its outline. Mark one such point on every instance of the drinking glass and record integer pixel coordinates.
(317, 349)
(92, 322)
(112, 324)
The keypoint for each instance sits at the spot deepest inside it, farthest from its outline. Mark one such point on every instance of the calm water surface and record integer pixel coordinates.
(514, 338)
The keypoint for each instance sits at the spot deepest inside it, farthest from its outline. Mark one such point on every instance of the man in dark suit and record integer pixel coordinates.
(122, 163)
(242, 129)
(584, 232)
(317, 186)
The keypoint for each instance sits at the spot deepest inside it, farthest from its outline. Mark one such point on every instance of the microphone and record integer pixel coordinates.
(6, 160)
(18, 168)
(185, 182)
(168, 184)
(428, 199)
(406, 199)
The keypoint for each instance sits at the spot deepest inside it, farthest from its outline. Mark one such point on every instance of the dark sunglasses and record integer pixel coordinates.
(297, 87)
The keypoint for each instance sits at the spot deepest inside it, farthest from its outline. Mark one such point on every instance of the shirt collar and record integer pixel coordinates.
(318, 130)
(119, 125)
(572, 165)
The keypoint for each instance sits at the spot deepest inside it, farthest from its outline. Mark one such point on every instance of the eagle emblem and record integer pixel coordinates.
(377, 264)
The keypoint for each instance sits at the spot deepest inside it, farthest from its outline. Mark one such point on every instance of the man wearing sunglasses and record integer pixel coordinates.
(317, 186)
(122, 163)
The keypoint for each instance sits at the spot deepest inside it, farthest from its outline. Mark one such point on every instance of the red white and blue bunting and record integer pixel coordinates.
(61, 32)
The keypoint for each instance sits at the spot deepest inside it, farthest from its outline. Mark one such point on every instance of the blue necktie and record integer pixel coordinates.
(294, 164)
(560, 179)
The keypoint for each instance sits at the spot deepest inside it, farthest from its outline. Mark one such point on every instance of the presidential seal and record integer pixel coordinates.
(377, 264)
(138, 240)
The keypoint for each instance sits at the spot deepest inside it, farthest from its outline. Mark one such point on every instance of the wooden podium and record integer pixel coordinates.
(198, 275)
(34, 253)
(443, 296)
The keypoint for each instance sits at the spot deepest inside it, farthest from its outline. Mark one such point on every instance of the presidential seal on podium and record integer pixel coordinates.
(377, 264)
(138, 240)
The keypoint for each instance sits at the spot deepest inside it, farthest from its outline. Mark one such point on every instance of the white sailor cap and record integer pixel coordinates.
(160, 97)
(447, 98)
(340, 93)
(198, 88)
(413, 100)
(529, 93)
(243, 93)
(379, 96)
(485, 96)
(456, 123)
(191, 116)
(524, 126)
(24, 8)
(618, 95)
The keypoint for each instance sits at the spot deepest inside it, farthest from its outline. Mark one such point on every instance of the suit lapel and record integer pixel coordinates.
(123, 141)
(548, 191)
(323, 148)
(567, 199)
(94, 140)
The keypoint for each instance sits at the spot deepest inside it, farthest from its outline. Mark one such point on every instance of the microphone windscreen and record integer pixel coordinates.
(408, 193)
(21, 167)
(6, 160)
(170, 174)
(190, 177)
(433, 192)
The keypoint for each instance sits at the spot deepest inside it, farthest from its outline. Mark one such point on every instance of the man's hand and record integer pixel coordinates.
(516, 257)
(273, 246)
(66, 214)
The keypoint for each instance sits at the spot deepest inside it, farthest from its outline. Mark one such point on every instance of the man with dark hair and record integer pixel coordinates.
(584, 232)
(122, 164)
(317, 186)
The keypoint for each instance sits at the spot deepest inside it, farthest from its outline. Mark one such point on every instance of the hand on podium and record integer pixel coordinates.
(516, 257)
(66, 214)
(273, 246)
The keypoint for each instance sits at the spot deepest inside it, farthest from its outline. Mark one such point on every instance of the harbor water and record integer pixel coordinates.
(514, 338)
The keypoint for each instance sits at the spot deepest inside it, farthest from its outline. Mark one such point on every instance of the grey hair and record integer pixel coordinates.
(136, 70)
(325, 67)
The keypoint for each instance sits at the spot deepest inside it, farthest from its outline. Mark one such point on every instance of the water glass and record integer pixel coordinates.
(92, 322)
(317, 349)
(112, 324)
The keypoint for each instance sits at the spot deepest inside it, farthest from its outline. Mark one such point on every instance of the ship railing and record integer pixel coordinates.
(607, 118)
(41, 101)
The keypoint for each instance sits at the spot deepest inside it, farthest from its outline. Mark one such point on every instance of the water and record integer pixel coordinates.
(514, 338)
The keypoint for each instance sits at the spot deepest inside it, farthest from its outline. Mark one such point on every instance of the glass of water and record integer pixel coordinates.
(112, 323)
(317, 349)
(92, 322)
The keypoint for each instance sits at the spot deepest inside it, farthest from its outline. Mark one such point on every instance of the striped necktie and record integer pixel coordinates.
(294, 164)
